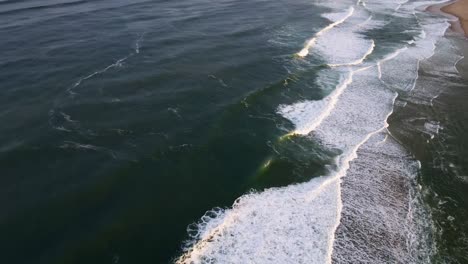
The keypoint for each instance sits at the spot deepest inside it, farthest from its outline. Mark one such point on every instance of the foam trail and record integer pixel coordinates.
(389, 57)
(307, 115)
(310, 43)
(382, 205)
(118, 63)
(359, 115)
(403, 68)
(344, 46)
(138, 43)
(400, 4)
(359, 61)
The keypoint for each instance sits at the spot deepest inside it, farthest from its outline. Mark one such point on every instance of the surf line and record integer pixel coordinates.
(389, 57)
(330, 100)
(359, 61)
(219, 225)
(311, 42)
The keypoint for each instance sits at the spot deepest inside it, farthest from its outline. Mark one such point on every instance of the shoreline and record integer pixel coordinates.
(458, 9)
(455, 22)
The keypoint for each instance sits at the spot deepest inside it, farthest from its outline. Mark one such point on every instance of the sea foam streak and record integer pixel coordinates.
(116, 64)
(310, 43)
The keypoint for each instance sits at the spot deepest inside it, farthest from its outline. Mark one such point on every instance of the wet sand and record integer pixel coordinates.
(455, 24)
(460, 10)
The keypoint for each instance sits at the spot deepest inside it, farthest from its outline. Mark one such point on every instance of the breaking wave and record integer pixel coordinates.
(367, 208)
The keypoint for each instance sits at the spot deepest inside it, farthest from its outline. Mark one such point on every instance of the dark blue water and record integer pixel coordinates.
(123, 122)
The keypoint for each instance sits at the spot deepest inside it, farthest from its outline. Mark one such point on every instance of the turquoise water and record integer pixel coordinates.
(125, 122)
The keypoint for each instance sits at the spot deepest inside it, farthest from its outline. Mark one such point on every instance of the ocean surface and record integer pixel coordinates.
(228, 131)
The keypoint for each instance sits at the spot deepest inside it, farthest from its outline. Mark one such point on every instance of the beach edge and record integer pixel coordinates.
(458, 9)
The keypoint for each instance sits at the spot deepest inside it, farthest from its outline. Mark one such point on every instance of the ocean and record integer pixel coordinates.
(229, 131)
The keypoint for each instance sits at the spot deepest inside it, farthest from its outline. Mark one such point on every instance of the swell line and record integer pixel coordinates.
(331, 100)
(359, 61)
(116, 64)
(389, 57)
(310, 43)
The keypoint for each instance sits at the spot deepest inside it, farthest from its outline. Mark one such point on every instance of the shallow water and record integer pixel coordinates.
(126, 123)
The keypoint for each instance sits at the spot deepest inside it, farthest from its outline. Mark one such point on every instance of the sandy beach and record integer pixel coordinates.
(459, 9)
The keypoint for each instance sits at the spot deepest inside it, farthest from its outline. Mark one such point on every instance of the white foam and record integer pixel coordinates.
(297, 223)
(382, 217)
(345, 45)
(116, 64)
(401, 72)
(387, 58)
(357, 61)
(310, 43)
(302, 216)
(138, 43)
(361, 109)
(307, 115)
(80, 146)
(294, 223)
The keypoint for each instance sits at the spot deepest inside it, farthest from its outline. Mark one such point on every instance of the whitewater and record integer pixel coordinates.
(367, 208)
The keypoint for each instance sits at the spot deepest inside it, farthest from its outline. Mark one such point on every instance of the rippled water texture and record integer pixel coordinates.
(231, 131)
